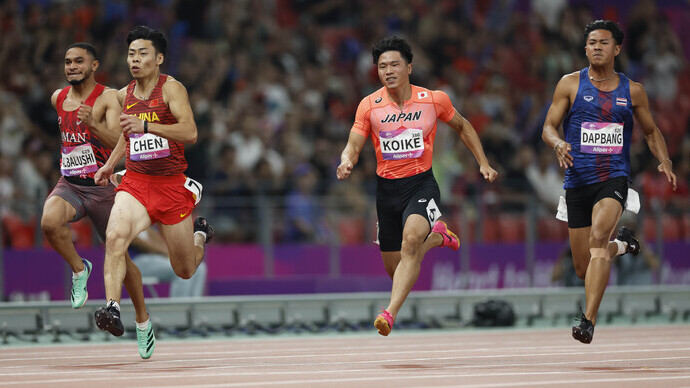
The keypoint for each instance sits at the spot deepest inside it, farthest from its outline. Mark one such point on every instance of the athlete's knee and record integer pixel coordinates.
(115, 239)
(184, 272)
(598, 239)
(411, 242)
(50, 223)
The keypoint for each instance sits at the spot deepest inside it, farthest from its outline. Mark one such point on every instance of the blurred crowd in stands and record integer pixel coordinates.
(274, 85)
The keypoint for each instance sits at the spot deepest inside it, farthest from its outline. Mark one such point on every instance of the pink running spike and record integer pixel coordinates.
(384, 322)
(450, 239)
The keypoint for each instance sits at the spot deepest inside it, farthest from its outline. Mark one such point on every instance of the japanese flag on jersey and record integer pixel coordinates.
(423, 94)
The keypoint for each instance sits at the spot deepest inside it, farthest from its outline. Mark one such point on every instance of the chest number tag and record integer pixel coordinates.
(601, 138)
(403, 143)
(147, 146)
(78, 160)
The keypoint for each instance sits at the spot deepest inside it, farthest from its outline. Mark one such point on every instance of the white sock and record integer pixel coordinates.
(117, 305)
(622, 246)
(76, 275)
(143, 325)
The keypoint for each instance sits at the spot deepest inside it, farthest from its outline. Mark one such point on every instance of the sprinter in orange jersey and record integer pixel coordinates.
(156, 122)
(401, 120)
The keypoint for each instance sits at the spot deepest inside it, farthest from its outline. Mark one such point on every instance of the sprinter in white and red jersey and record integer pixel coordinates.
(88, 117)
(401, 120)
(156, 122)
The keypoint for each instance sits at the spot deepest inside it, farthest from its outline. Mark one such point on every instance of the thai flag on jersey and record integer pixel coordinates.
(621, 101)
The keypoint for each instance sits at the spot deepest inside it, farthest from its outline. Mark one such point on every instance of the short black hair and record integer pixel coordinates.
(392, 43)
(157, 38)
(86, 46)
(609, 25)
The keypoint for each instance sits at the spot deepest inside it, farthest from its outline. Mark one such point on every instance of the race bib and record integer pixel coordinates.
(403, 143)
(195, 187)
(147, 146)
(78, 160)
(601, 138)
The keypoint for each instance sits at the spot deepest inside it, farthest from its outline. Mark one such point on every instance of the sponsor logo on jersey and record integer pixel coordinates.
(588, 98)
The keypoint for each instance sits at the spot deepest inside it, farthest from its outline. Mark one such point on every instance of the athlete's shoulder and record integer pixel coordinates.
(56, 93)
(122, 95)
(376, 99)
(171, 85)
(108, 95)
(424, 95)
(637, 91)
(53, 98)
(571, 78)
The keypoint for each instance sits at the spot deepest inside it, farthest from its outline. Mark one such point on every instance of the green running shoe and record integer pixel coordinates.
(79, 294)
(146, 341)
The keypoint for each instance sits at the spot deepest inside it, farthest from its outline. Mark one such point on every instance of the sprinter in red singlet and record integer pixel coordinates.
(156, 122)
(401, 120)
(88, 116)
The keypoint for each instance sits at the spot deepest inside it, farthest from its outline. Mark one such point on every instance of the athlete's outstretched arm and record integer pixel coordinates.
(175, 95)
(103, 117)
(652, 134)
(469, 137)
(350, 155)
(554, 117)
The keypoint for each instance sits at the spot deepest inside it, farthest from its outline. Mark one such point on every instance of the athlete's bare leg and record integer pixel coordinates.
(56, 214)
(127, 219)
(135, 289)
(186, 247)
(579, 246)
(415, 245)
(392, 259)
(595, 266)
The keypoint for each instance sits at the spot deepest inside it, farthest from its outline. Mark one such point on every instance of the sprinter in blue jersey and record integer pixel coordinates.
(596, 106)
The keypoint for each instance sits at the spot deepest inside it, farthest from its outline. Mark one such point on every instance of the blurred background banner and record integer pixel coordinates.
(274, 85)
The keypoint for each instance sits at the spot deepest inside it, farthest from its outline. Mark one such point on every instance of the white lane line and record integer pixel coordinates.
(389, 378)
(242, 359)
(204, 371)
(243, 354)
(549, 383)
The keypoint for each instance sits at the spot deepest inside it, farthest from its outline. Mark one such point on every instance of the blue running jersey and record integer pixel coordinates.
(599, 129)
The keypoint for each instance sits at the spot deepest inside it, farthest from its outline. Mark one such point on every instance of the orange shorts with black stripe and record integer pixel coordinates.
(165, 197)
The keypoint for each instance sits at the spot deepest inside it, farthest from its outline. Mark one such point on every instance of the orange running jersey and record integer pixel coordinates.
(147, 153)
(404, 140)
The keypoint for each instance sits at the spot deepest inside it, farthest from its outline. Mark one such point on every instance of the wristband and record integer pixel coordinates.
(146, 127)
(665, 159)
(558, 143)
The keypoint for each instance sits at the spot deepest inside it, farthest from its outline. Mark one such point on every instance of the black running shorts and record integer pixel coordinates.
(396, 199)
(581, 200)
